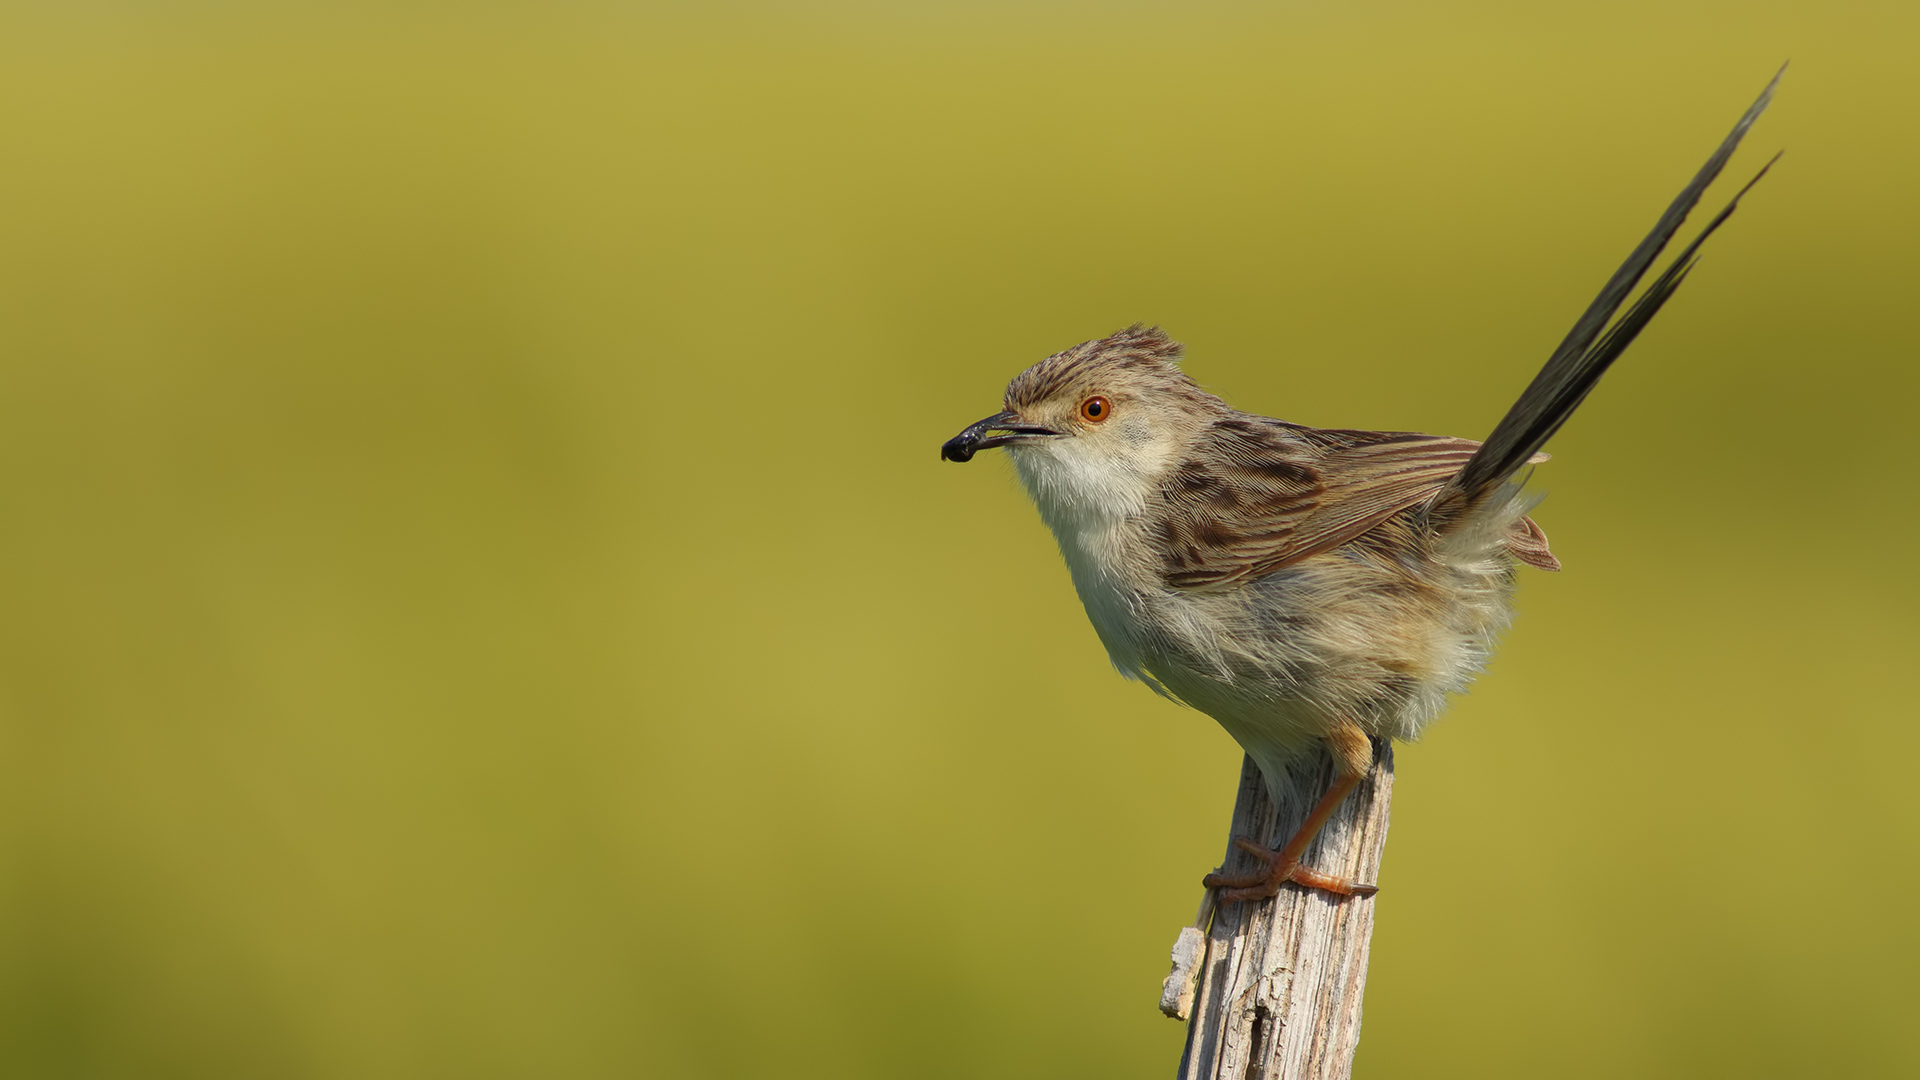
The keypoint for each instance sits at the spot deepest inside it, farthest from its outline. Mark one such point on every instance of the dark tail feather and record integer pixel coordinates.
(1592, 346)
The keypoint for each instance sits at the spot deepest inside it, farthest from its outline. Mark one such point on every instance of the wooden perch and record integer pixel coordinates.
(1274, 987)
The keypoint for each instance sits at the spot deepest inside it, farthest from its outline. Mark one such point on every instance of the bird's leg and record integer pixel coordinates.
(1353, 757)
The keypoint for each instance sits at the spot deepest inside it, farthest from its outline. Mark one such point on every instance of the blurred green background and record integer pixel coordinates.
(481, 599)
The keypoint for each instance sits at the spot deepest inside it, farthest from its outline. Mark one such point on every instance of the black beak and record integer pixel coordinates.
(963, 446)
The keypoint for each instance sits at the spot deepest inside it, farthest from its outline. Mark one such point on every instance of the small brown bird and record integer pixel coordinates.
(1300, 585)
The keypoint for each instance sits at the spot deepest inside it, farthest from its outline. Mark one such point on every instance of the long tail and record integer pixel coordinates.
(1592, 346)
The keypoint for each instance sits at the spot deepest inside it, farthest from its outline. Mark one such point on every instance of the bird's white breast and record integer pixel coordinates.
(1095, 510)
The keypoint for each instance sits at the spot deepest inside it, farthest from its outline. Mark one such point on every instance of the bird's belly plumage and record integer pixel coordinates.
(1282, 661)
(1341, 637)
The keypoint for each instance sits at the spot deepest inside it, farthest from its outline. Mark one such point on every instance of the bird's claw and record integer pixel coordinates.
(1279, 870)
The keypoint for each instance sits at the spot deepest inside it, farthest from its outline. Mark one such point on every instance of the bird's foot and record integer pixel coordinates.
(1280, 868)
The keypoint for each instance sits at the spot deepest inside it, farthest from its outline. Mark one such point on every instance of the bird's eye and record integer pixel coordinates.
(1095, 409)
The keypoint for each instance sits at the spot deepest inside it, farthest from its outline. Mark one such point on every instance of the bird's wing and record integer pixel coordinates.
(1260, 495)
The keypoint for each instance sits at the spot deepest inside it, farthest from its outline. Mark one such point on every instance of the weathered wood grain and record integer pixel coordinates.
(1279, 983)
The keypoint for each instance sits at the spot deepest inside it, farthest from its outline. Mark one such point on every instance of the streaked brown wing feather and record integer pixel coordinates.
(1260, 495)
(1529, 544)
(1242, 496)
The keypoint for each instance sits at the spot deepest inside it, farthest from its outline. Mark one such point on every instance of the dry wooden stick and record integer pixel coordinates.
(1274, 987)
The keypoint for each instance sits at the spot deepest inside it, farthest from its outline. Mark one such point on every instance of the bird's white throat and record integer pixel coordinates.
(1094, 506)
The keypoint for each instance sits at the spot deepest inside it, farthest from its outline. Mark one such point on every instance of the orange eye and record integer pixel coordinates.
(1095, 409)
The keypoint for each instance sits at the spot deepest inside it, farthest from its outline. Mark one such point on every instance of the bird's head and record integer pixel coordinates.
(1094, 430)
(1120, 402)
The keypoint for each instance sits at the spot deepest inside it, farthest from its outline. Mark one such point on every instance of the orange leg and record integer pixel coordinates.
(1353, 754)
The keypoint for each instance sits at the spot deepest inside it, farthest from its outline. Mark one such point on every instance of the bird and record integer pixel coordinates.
(1305, 587)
